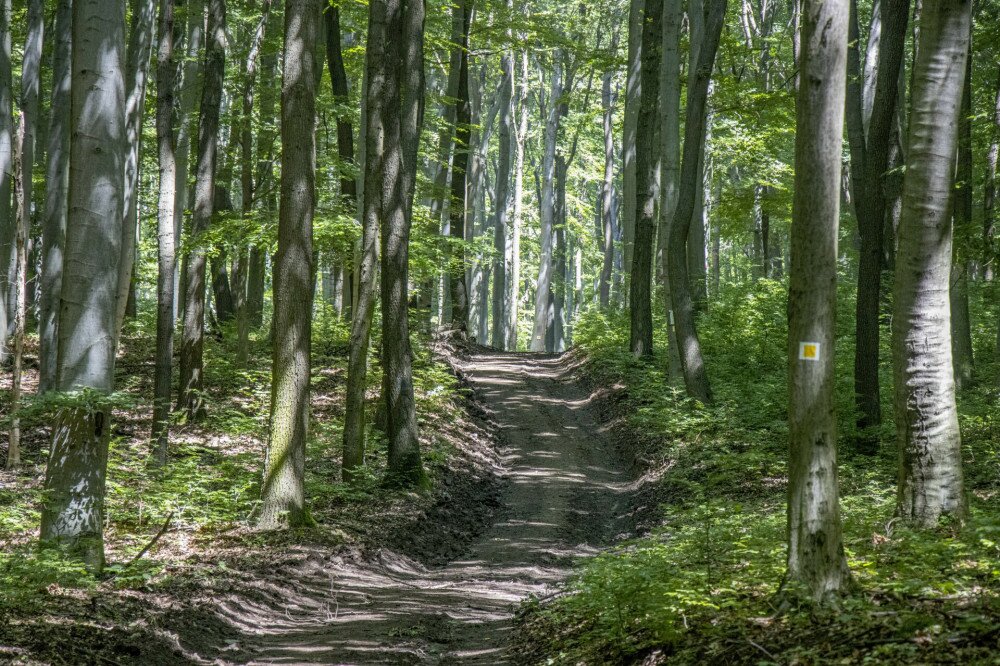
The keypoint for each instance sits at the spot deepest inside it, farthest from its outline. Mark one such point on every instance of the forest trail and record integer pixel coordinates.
(565, 484)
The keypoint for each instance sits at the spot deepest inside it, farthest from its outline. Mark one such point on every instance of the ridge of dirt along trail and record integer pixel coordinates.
(564, 491)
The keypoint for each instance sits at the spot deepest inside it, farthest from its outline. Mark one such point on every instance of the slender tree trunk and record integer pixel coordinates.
(513, 308)
(505, 150)
(961, 327)
(20, 313)
(640, 300)
(399, 167)
(166, 241)
(543, 289)
(459, 183)
(815, 543)
(670, 146)
(283, 491)
(73, 512)
(990, 192)
(193, 338)
(928, 438)
(607, 189)
(137, 60)
(633, 94)
(692, 362)
(31, 65)
(8, 250)
(696, 249)
(57, 180)
(869, 161)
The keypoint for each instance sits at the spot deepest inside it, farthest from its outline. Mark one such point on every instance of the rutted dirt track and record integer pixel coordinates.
(563, 495)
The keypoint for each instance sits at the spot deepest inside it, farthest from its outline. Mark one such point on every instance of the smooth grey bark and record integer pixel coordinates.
(543, 287)
(20, 313)
(283, 488)
(816, 557)
(696, 243)
(514, 301)
(57, 182)
(630, 124)
(870, 154)
(606, 238)
(688, 345)
(505, 150)
(670, 161)
(140, 44)
(165, 232)
(73, 511)
(193, 336)
(927, 433)
(7, 223)
(457, 286)
(399, 167)
(961, 265)
(647, 162)
(31, 66)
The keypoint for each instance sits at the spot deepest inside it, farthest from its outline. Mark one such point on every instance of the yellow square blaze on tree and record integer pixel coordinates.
(808, 351)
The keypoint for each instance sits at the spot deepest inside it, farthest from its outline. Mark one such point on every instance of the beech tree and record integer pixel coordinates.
(815, 544)
(73, 513)
(927, 434)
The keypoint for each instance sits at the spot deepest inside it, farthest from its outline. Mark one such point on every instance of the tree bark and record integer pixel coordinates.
(990, 191)
(57, 182)
(815, 542)
(8, 250)
(670, 146)
(928, 438)
(961, 327)
(505, 150)
(630, 125)
(543, 287)
(513, 308)
(647, 162)
(688, 345)
(283, 490)
(193, 337)
(459, 183)
(166, 241)
(73, 512)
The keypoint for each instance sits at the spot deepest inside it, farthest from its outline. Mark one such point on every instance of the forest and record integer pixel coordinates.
(499, 331)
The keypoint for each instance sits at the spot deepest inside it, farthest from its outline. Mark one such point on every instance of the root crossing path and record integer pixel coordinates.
(564, 491)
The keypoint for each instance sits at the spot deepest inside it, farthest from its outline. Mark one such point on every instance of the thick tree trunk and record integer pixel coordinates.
(73, 512)
(928, 438)
(692, 362)
(399, 168)
(670, 146)
(166, 241)
(514, 293)
(870, 155)
(283, 489)
(647, 162)
(961, 327)
(543, 287)
(696, 247)
(193, 337)
(57, 182)
(8, 250)
(457, 286)
(815, 543)
(20, 314)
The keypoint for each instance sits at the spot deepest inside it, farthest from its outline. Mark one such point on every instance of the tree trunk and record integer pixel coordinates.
(193, 338)
(283, 490)
(646, 160)
(630, 125)
(990, 191)
(869, 161)
(692, 362)
(57, 181)
(399, 168)
(20, 313)
(166, 241)
(961, 328)
(73, 512)
(140, 43)
(513, 308)
(457, 286)
(8, 250)
(928, 438)
(543, 289)
(670, 146)
(505, 150)
(607, 189)
(815, 543)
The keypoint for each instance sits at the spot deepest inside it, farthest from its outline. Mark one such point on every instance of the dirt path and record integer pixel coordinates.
(561, 503)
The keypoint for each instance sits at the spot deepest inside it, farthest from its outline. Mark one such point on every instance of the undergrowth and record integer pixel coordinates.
(701, 587)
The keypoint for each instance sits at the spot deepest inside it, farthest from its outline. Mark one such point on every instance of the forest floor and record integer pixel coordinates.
(527, 481)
